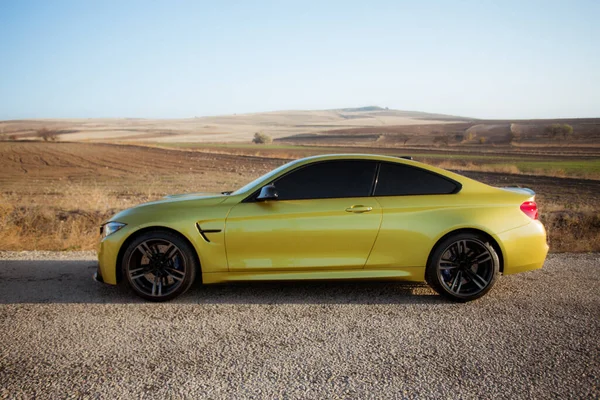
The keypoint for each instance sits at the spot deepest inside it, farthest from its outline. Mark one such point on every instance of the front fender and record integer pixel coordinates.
(181, 218)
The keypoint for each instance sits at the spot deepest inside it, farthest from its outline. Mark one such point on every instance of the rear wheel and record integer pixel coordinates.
(159, 265)
(463, 267)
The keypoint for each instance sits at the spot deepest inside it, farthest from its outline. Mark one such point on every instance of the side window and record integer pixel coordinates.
(329, 179)
(402, 180)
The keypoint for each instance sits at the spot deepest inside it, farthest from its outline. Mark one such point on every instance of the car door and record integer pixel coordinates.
(324, 218)
(415, 205)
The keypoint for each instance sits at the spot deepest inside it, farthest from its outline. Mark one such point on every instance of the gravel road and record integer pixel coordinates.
(536, 335)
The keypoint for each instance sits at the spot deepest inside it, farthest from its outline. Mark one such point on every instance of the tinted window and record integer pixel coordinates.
(399, 180)
(328, 179)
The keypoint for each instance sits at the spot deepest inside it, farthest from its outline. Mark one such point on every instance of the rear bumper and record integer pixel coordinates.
(524, 248)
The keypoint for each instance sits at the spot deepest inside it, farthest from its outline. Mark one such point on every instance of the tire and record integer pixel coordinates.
(463, 267)
(159, 265)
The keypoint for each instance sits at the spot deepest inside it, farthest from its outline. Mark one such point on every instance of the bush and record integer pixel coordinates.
(559, 131)
(47, 135)
(262, 138)
(482, 140)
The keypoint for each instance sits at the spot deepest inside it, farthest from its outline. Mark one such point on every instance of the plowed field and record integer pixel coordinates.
(26, 164)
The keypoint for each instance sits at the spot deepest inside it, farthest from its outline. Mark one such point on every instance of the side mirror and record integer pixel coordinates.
(268, 192)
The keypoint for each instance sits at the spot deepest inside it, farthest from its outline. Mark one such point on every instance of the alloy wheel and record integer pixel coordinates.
(466, 267)
(156, 267)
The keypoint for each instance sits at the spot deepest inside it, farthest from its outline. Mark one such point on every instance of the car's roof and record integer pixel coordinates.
(357, 156)
(350, 156)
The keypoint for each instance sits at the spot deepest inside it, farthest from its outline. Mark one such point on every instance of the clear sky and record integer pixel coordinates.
(172, 59)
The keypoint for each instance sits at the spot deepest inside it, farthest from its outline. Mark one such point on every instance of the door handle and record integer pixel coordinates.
(359, 209)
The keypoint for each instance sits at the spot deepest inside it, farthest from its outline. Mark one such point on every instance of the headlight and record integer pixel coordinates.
(109, 228)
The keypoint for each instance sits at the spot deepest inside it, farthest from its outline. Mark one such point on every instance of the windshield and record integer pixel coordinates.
(266, 177)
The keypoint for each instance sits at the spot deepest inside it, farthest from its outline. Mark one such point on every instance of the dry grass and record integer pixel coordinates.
(65, 220)
(69, 219)
(37, 228)
(573, 231)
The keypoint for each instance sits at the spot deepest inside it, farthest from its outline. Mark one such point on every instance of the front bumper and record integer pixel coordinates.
(108, 256)
(98, 276)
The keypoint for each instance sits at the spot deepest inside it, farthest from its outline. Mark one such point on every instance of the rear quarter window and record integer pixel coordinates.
(405, 180)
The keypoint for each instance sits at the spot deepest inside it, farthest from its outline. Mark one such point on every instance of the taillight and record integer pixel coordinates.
(530, 209)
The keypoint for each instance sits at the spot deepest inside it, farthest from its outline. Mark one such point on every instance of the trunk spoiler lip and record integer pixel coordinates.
(518, 189)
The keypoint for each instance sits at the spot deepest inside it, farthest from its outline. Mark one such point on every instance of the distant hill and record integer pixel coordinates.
(224, 128)
(380, 111)
(370, 126)
(360, 109)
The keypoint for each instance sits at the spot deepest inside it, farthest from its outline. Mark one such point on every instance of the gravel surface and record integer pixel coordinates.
(536, 335)
(48, 255)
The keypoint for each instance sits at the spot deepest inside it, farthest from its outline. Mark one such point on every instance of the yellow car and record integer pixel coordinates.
(330, 217)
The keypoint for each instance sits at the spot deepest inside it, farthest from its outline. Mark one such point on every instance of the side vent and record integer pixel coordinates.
(203, 232)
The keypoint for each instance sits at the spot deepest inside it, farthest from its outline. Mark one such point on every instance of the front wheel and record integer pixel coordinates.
(159, 265)
(463, 267)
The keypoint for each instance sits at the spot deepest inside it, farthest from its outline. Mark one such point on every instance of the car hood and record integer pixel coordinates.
(198, 195)
(204, 199)
(170, 204)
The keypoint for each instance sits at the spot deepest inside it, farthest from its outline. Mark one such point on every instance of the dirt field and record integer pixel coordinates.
(53, 196)
(518, 135)
(37, 166)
